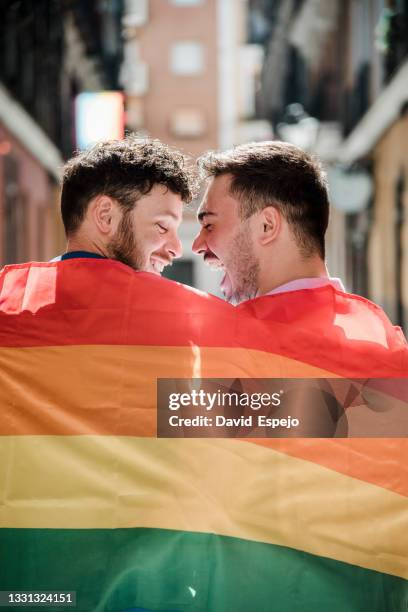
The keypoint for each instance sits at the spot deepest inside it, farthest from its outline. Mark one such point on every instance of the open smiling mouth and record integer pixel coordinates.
(213, 261)
(158, 265)
(216, 264)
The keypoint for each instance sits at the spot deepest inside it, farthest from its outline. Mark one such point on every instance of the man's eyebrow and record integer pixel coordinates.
(204, 214)
(167, 213)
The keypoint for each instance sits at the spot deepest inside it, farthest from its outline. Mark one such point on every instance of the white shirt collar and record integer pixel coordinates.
(308, 283)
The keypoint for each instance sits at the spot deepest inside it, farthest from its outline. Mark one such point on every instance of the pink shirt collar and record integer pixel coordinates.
(308, 283)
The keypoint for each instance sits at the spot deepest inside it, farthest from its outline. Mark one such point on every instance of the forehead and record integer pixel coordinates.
(160, 201)
(218, 199)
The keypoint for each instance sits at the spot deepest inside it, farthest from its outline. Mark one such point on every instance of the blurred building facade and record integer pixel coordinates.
(346, 63)
(49, 51)
(189, 75)
(330, 75)
(190, 79)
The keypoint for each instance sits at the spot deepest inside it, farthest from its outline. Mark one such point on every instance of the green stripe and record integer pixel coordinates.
(161, 570)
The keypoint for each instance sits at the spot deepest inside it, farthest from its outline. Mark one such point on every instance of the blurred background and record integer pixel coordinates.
(328, 75)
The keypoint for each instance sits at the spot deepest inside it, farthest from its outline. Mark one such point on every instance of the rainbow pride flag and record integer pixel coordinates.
(93, 502)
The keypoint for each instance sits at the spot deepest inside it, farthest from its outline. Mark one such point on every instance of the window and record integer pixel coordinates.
(188, 123)
(15, 215)
(187, 58)
(11, 201)
(41, 232)
(186, 2)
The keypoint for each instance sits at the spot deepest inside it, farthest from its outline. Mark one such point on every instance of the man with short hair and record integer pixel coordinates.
(123, 200)
(263, 219)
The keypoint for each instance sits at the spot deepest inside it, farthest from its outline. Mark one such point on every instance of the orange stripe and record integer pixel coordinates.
(74, 390)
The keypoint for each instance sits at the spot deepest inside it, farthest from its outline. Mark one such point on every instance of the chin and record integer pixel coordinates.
(229, 297)
(236, 297)
(143, 267)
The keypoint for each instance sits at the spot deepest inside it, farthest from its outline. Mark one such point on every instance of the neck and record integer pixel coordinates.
(84, 243)
(313, 267)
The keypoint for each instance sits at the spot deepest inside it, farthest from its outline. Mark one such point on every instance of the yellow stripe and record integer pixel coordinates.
(226, 487)
(85, 389)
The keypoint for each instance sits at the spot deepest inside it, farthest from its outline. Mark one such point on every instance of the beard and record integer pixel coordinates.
(243, 268)
(125, 247)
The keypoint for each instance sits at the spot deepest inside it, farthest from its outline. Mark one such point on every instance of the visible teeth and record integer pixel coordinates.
(157, 266)
(214, 263)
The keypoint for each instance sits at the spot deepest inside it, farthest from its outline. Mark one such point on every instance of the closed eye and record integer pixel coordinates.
(162, 228)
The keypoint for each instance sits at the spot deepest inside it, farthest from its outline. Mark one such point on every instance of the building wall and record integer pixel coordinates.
(219, 92)
(49, 51)
(27, 205)
(336, 245)
(169, 93)
(388, 244)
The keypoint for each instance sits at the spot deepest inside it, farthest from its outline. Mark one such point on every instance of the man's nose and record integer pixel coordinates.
(175, 247)
(199, 245)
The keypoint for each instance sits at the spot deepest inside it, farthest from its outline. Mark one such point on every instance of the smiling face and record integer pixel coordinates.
(226, 241)
(146, 238)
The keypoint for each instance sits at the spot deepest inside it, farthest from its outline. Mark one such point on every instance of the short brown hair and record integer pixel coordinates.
(124, 170)
(277, 174)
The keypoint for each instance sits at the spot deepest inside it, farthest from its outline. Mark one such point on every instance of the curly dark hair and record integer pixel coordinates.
(124, 170)
(279, 174)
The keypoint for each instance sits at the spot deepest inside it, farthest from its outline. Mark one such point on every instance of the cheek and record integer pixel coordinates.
(227, 244)
(218, 240)
(152, 240)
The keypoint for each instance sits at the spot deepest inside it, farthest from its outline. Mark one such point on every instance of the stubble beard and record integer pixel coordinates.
(124, 246)
(244, 268)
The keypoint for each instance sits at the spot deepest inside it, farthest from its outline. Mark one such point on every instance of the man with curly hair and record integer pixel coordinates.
(123, 200)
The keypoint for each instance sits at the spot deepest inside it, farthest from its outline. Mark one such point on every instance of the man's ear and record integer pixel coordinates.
(271, 221)
(105, 214)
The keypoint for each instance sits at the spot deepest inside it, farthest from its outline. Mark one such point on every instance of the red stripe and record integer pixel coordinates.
(105, 302)
(77, 302)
